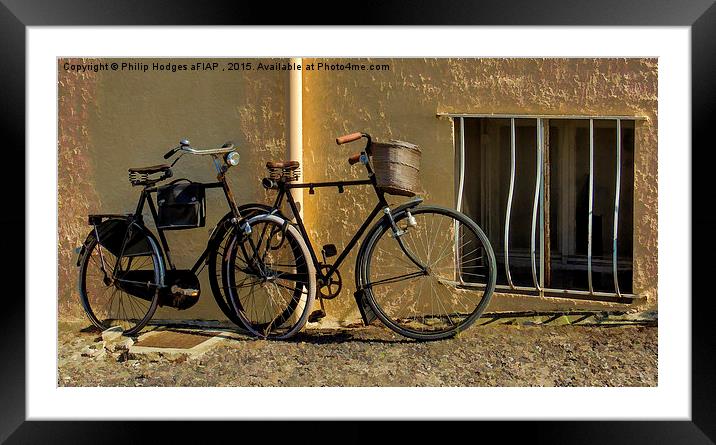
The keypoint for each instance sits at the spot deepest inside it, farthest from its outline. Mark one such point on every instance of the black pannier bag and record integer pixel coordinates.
(182, 205)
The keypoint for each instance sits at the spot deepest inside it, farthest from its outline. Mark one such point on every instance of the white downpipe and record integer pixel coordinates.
(295, 127)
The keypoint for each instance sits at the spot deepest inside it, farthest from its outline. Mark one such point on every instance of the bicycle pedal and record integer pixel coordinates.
(316, 315)
(329, 250)
(176, 290)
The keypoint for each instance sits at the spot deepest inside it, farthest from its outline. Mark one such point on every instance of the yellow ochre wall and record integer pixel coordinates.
(403, 103)
(110, 121)
(130, 119)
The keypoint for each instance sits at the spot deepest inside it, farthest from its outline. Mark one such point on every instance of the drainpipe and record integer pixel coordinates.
(295, 137)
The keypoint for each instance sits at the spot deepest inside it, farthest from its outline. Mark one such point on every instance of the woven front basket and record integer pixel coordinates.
(396, 165)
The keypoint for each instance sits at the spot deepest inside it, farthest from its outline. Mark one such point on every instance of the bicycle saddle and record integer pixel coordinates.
(151, 169)
(290, 165)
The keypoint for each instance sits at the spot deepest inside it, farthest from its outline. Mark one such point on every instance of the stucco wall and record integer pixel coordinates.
(113, 120)
(402, 103)
(75, 178)
(110, 121)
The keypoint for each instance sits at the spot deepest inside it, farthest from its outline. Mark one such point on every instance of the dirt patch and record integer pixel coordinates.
(489, 355)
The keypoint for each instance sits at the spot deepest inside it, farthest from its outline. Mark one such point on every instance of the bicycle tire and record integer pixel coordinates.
(389, 308)
(216, 261)
(135, 304)
(284, 318)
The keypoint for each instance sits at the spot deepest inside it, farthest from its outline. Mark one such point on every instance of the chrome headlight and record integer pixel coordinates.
(232, 158)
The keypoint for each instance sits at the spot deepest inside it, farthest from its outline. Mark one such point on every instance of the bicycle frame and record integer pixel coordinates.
(284, 192)
(146, 197)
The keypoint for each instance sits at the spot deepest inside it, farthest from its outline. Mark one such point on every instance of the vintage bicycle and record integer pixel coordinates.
(125, 273)
(426, 272)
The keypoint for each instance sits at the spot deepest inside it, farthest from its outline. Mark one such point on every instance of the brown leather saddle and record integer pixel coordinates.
(150, 170)
(283, 165)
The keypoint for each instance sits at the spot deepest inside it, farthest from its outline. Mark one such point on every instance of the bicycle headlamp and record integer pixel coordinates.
(232, 158)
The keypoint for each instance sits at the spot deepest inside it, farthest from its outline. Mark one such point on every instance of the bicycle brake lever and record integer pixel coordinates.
(171, 152)
(176, 160)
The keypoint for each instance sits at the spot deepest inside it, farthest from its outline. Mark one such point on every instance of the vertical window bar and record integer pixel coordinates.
(616, 207)
(591, 205)
(534, 207)
(509, 202)
(461, 162)
(461, 186)
(543, 146)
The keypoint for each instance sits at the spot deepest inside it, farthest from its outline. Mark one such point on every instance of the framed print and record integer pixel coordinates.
(546, 149)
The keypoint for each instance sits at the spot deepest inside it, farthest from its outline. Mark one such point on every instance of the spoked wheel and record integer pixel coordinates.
(272, 280)
(218, 258)
(129, 298)
(448, 288)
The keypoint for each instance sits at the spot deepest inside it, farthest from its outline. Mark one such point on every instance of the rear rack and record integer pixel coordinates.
(94, 220)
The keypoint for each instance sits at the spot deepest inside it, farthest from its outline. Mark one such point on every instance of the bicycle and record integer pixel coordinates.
(123, 274)
(399, 267)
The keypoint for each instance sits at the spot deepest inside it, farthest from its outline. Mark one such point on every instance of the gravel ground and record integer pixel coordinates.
(490, 355)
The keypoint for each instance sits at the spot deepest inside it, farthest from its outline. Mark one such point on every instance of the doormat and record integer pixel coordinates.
(172, 339)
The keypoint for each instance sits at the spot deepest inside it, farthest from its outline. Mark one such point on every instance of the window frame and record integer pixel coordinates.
(538, 269)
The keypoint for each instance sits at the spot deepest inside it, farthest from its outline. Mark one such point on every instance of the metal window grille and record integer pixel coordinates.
(537, 226)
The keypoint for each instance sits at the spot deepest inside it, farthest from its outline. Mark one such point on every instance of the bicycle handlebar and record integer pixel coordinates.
(226, 148)
(349, 138)
(354, 159)
(185, 147)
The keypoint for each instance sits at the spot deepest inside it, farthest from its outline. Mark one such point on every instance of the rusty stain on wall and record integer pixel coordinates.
(130, 119)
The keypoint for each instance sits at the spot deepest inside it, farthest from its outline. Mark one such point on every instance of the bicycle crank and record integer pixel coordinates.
(330, 288)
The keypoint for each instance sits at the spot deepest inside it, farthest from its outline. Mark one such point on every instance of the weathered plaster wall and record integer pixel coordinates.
(75, 178)
(126, 119)
(113, 120)
(402, 103)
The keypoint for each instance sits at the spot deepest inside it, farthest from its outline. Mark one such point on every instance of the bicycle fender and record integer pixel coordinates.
(223, 226)
(115, 228)
(111, 227)
(407, 205)
(366, 312)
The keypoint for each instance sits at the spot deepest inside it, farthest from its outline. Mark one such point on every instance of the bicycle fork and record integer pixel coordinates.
(366, 312)
(398, 234)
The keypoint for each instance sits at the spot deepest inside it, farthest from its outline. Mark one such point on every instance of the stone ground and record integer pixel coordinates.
(494, 354)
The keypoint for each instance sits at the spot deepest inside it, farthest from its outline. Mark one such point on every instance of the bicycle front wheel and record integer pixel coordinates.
(438, 282)
(271, 278)
(218, 257)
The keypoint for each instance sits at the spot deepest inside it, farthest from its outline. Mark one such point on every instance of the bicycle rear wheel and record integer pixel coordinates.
(271, 278)
(128, 298)
(447, 291)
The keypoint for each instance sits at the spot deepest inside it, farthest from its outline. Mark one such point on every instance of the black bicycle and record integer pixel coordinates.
(123, 275)
(427, 272)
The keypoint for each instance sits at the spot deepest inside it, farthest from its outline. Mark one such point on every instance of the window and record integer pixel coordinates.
(547, 192)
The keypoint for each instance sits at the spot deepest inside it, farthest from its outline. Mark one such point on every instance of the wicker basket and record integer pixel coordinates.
(396, 165)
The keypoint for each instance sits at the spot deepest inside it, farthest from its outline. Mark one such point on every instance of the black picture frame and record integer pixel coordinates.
(16, 15)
